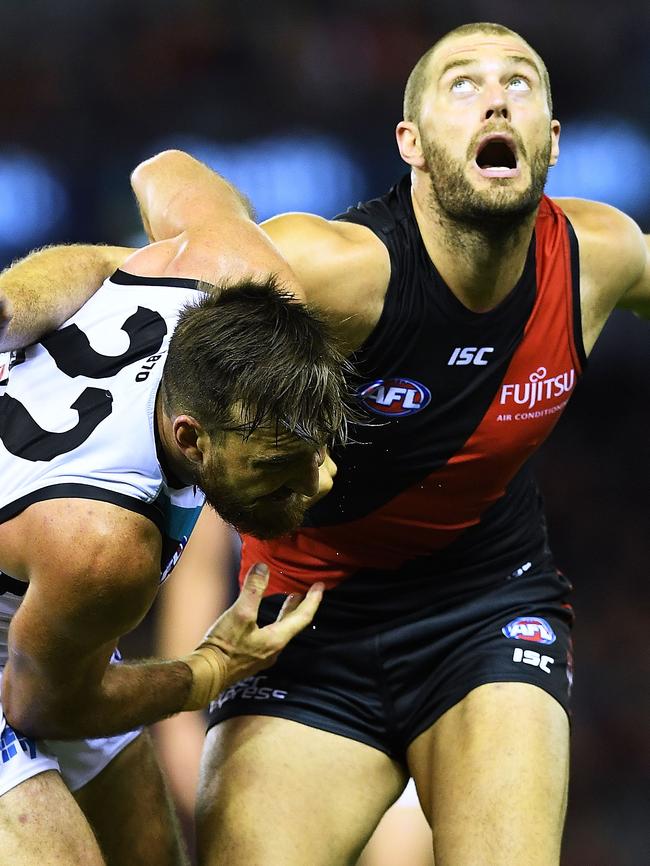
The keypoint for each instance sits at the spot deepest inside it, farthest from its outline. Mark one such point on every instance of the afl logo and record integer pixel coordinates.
(394, 397)
(531, 628)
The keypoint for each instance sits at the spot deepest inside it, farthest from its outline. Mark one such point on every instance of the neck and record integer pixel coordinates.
(174, 465)
(480, 263)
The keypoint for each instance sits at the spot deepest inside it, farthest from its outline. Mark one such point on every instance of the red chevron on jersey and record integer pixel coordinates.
(527, 401)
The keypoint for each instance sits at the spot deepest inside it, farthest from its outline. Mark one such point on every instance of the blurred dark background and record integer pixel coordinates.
(296, 101)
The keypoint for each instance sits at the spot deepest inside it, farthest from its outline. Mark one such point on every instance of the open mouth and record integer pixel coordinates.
(496, 158)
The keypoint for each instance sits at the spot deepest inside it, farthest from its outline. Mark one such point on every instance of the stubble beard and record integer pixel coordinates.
(497, 210)
(270, 520)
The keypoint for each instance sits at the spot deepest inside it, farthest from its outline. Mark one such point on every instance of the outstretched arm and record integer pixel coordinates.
(38, 293)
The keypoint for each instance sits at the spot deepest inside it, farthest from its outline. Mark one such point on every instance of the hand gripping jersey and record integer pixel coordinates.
(77, 411)
(437, 485)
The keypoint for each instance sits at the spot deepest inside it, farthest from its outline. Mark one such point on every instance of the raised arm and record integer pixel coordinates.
(208, 221)
(85, 592)
(342, 269)
(42, 290)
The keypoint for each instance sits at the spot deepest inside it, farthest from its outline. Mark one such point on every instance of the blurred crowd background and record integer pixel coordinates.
(296, 102)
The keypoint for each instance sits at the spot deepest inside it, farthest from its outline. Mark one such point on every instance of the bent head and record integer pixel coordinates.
(255, 389)
(478, 127)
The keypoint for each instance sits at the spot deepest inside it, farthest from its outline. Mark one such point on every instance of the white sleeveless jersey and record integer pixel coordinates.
(77, 409)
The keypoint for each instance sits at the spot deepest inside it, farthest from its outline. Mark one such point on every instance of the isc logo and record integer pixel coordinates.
(469, 355)
(394, 397)
(530, 657)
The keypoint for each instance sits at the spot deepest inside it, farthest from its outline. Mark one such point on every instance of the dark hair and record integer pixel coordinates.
(248, 354)
(419, 77)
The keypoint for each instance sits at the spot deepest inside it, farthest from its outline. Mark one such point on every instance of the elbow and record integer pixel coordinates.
(30, 716)
(36, 725)
(157, 162)
(19, 717)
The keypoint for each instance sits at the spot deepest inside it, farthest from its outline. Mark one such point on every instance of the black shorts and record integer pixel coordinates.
(385, 686)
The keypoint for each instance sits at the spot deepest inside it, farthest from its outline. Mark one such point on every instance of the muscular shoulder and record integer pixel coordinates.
(95, 562)
(613, 259)
(342, 267)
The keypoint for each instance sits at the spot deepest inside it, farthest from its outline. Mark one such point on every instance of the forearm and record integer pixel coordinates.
(129, 695)
(180, 197)
(49, 285)
(75, 696)
(176, 192)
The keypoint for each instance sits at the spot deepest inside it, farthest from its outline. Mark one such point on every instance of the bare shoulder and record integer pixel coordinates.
(319, 249)
(97, 563)
(343, 268)
(614, 258)
(92, 575)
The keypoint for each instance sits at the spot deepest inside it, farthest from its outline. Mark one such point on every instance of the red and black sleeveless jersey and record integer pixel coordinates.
(436, 485)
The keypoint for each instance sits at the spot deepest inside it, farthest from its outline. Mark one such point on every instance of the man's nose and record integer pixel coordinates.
(497, 105)
(306, 480)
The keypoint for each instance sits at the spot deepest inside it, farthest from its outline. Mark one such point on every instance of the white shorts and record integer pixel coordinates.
(78, 761)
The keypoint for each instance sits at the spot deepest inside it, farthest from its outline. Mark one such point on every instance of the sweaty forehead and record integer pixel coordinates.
(273, 442)
(479, 47)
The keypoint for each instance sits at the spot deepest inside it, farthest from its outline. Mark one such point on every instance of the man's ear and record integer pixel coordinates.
(555, 142)
(188, 434)
(410, 144)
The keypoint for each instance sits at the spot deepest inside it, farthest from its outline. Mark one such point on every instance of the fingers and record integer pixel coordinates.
(239, 623)
(295, 615)
(252, 591)
(291, 602)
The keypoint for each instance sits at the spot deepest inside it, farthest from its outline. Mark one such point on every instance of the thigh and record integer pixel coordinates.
(492, 774)
(130, 809)
(41, 825)
(274, 792)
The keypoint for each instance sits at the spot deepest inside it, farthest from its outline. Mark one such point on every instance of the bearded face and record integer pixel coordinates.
(496, 202)
(268, 516)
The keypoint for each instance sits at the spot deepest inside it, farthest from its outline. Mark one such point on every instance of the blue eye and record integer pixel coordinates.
(518, 83)
(462, 85)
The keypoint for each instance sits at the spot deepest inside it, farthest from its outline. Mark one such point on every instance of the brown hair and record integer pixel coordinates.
(248, 354)
(418, 79)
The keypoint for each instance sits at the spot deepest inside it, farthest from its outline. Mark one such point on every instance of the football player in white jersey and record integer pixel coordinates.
(111, 431)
